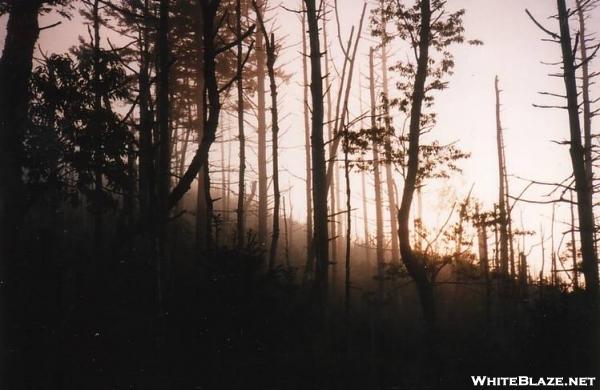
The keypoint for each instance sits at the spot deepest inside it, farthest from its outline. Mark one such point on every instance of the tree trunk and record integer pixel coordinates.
(415, 266)
(379, 253)
(319, 190)
(389, 177)
(309, 268)
(240, 226)
(587, 112)
(332, 188)
(502, 219)
(573, 245)
(577, 152)
(262, 135)
(164, 150)
(22, 32)
(271, 58)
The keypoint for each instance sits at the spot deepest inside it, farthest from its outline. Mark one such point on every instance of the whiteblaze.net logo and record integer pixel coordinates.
(528, 381)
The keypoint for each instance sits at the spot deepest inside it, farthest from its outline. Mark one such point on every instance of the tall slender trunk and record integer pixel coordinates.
(587, 111)
(319, 190)
(309, 268)
(379, 253)
(577, 152)
(240, 226)
(387, 146)
(271, 48)
(502, 219)
(262, 135)
(164, 150)
(347, 284)
(146, 159)
(415, 266)
(97, 130)
(332, 188)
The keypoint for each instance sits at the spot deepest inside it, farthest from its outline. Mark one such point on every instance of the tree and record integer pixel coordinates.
(576, 148)
(425, 25)
(319, 177)
(502, 207)
(271, 50)
(262, 135)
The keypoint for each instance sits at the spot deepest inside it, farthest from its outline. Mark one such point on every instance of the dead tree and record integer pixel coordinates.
(262, 135)
(502, 215)
(389, 177)
(576, 149)
(309, 267)
(379, 244)
(240, 222)
(319, 190)
(573, 244)
(271, 50)
(582, 9)
(332, 188)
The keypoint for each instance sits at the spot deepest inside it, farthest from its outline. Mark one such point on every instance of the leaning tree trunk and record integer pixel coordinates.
(319, 190)
(415, 265)
(577, 152)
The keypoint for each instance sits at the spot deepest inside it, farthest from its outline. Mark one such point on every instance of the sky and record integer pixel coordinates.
(512, 50)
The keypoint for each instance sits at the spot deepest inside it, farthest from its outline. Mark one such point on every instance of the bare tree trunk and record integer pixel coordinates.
(319, 191)
(262, 135)
(415, 266)
(146, 159)
(389, 177)
(573, 245)
(332, 188)
(96, 131)
(586, 103)
(378, 199)
(240, 227)
(502, 220)
(309, 268)
(577, 152)
(271, 58)
(164, 150)
(347, 284)
(365, 217)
